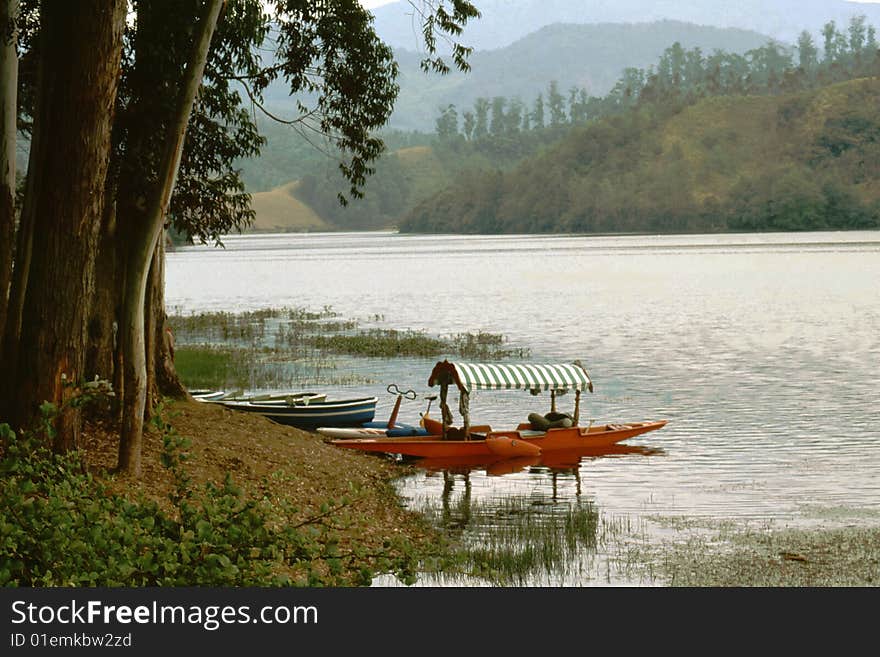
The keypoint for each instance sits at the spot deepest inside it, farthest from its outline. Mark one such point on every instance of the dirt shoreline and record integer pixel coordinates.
(253, 449)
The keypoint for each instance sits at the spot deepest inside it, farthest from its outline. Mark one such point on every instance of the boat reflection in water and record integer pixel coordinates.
(567, 462)
(533, 535)
(556, 461)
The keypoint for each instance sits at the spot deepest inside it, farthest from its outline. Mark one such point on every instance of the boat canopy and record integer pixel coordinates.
(506, 376)
(468, 377)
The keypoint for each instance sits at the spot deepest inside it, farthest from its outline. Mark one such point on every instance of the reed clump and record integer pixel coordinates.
(513, 541)
(294, 347)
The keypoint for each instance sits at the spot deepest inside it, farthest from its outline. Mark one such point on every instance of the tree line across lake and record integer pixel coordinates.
(771, 69)
(569, 161)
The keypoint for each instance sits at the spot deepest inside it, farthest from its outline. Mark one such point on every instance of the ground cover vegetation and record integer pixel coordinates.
(191, 522)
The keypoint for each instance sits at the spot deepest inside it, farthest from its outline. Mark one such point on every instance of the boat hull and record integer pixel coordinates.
(353, 433)
(561, 439)
(341, 413)
(508, 447)
(280, 399)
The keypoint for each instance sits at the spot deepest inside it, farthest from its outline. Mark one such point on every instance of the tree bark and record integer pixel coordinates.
(142, 246)
(79, 73)
(100, 354)
(151, 325)
(162, 379)
(9, 87)
(103, 352)
(15, 308)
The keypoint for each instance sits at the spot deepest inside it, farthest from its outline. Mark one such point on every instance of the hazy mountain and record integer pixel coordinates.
(505, 21)
(583, 56)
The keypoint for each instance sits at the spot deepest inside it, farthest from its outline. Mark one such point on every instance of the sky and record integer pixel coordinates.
(372, 4)
(378, 3)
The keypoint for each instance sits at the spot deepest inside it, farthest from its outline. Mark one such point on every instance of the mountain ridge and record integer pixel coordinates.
(592, 56)
(503, 21)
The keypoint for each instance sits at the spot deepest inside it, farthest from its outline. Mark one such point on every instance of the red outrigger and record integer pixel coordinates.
(549, 433)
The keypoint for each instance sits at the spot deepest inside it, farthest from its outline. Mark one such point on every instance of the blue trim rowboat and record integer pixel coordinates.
(312, 414)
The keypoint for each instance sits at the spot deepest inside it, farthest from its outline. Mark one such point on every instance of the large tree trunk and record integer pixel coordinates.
(100, 354)
(23, 249)
(162, 379)
(8, 96)
(142, 246)
(103, 353)
(79, 73)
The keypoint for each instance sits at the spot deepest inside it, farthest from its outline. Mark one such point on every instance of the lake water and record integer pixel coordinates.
(762, 351)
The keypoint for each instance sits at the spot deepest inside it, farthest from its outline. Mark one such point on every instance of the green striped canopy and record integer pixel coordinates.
(501, 376)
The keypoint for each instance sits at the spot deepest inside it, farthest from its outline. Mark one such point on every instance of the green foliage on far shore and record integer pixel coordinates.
(775, 138)
(797, 161)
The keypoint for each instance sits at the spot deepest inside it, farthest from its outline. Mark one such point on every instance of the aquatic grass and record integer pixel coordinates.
(508, 541)
(392, 343)
(254, 368)
(484, 346)
(301, 330)
(207, 367)
(710, 552)
(253, 325)
(532, 540)
(282, 347)
(380, 343)
(296, 334)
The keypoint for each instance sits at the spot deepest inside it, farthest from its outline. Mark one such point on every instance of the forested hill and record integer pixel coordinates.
(773, 138)
(789, 161)
(591, 57)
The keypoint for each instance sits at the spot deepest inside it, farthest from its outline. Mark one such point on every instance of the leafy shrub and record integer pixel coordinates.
(59, 526)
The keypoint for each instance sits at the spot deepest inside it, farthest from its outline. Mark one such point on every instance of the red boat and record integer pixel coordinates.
(551, 432)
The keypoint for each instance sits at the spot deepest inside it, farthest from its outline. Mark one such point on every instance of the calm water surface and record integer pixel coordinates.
(762, 351)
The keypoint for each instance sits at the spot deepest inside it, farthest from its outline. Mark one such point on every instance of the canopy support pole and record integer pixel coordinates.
(577, 407)
(463, 403)
(552, 401)
(445, 413)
